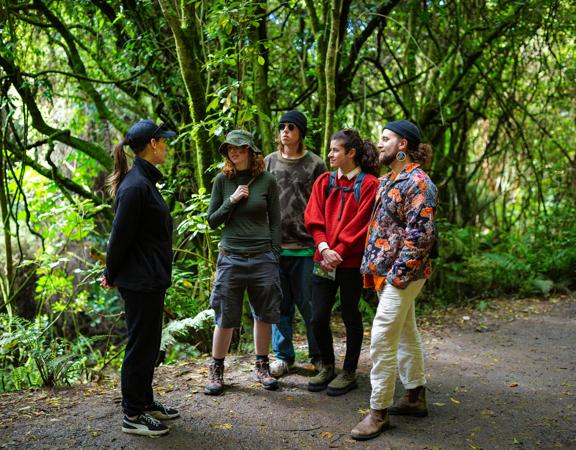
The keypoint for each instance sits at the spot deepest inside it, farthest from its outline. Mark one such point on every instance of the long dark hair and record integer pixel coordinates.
(366, 152)
(121, 164)
(301, 145)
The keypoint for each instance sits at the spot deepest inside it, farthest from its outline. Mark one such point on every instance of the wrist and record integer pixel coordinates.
(323, 246)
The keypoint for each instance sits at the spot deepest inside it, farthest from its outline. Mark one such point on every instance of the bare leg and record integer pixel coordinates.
(221, 341)
(262, 337)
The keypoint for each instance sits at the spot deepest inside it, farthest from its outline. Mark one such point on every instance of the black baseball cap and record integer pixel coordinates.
(142, 132)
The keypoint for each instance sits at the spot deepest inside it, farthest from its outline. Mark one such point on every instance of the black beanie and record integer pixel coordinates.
(297, 118)
(406, 130)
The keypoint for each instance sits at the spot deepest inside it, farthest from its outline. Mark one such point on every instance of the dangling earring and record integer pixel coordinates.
(400, 156)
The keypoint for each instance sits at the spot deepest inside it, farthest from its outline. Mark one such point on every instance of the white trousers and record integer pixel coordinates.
(395, 344)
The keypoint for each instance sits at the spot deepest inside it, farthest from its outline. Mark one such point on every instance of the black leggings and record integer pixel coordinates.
(144, 323)
(323, 297)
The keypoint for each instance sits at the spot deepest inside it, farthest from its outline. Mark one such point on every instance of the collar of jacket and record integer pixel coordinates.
(350, 174)
(403, 175)
(148, 169)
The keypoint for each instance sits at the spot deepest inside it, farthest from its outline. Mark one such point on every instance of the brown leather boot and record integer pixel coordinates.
(215, 385)
(372, 425)
(262, 375)
(412, 403)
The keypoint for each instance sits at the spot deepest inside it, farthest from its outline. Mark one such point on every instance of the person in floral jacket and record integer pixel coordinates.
(396, 263)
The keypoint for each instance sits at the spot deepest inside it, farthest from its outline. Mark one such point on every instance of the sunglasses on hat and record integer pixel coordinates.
(290, 126)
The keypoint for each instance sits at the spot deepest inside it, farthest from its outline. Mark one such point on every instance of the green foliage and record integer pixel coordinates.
(492, 92)
(479, 264)
(202, 324)
(195, 260)
(31, 359)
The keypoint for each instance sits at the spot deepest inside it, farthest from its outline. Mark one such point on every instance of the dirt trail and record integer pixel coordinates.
(504, 378)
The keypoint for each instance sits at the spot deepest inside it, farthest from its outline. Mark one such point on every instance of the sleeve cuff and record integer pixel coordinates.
(322, 246)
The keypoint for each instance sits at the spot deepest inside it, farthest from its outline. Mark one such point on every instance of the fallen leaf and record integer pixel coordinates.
(439, 404)
(455, 401)
(514, 385)
(222, 426)
(363, 411)
(326, 434)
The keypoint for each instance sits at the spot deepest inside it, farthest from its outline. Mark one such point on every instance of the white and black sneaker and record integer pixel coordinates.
(144, 425)
(159, 411)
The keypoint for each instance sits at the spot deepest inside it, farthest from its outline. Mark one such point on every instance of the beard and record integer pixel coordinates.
(386, 159)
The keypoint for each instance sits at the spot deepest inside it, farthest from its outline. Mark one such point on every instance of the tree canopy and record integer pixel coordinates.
(490, 83)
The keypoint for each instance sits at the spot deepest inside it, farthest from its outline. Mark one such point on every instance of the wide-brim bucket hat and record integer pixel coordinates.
(238, 138)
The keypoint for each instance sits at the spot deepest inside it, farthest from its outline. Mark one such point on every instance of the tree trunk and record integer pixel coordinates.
(6, 294)
(330, 72)
(261, 64)
(187, 39)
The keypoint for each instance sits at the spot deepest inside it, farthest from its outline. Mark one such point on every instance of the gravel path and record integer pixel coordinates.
(502, 378)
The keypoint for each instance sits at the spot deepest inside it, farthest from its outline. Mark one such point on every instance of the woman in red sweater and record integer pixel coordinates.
(337, 217)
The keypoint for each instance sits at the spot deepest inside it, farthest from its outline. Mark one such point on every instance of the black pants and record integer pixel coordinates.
(323, 297)
(144, 323)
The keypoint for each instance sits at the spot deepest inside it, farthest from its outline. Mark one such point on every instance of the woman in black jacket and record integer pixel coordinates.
(139, 264)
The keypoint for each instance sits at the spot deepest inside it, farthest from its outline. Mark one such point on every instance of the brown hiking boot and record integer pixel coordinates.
(372, 425)
(412, 403)
(262, 375)
(215, 385)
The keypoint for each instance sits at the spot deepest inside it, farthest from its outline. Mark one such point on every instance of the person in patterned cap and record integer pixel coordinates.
(396, 263)
(295, 168)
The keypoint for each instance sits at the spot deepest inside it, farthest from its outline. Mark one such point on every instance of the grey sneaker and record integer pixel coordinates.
(344, 382)
(144, 425)
(280, 367)
(319, 382)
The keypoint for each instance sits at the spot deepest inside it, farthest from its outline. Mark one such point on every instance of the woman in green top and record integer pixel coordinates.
(245, 200)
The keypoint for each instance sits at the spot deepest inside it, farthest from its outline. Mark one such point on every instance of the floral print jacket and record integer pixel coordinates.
(402, 254)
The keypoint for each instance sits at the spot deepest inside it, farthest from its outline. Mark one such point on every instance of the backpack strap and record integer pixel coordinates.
(331, 183)
(358, 186)
(356, 189)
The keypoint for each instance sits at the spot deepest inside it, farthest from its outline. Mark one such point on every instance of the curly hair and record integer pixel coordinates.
(422, 155)
(366, 152)
(255, 163)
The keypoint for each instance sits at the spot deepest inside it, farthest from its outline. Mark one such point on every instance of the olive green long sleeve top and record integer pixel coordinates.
(253, 224)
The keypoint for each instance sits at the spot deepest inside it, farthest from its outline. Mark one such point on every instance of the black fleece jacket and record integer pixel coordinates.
(139, 255)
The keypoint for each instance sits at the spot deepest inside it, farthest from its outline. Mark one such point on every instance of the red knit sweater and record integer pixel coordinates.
(346, 236)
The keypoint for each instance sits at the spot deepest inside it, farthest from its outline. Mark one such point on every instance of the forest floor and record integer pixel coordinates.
(501, 378)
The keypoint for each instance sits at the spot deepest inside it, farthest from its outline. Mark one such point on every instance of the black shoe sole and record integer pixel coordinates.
(215, 393)
(371, 436)
(337, 392)
(317, 387)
